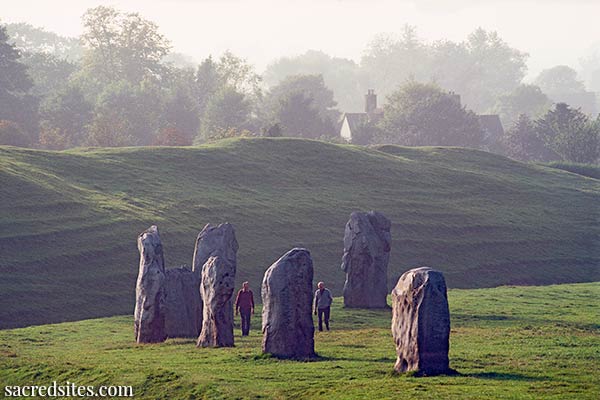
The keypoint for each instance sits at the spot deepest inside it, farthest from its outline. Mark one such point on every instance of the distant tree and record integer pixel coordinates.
(11, 134)
(304, 106)
(522, 142)
(495, 69)
(525, 99)
(340, 74)
(17, 104)
(171, 136)
(570, 134)
(237, 73)
(273, 130)
(65, 119)
(34, 40)
(298, 116)
(390, 60)
(49, 73)
(227, 109)
(180, 114)
(207, 82)
(559, 79)
(122, 46)
(126, 115)
(424, 115)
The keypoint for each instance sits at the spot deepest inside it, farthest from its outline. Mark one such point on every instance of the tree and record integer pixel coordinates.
(236, 73)
(11, 134)
(227, 109)
(49, 73)
(522, 142)
(180, 113)
(304, 106)
(33, 40)
(65, 119)
(570, 134)
(298, 116)
(559, 79)
(122, 46)
(126, 115)
(206, 83)
(340, 74)
(390, 60)
(423, 115)
(525, 99)
(16, 102)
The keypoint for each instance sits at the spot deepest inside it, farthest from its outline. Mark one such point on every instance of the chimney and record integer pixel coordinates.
(455, 97)
(370, 101)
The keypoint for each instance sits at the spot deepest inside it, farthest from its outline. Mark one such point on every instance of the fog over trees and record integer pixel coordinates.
(120, 84)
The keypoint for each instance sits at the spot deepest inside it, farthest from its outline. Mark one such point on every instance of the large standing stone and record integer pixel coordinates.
(183, 305)
(287, 324)
(421, 322)
(218, 280)
(149, 316)
(367, 242)
(215, 240)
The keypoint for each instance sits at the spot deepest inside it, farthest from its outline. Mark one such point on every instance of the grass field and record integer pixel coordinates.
(69, 220)
(506, 343)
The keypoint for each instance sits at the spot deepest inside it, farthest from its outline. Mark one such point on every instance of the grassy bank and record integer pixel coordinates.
(506, 343)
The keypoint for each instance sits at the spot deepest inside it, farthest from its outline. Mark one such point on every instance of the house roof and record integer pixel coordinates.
(492, 125)
(356, 120)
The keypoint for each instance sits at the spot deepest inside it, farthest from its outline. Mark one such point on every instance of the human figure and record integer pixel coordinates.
(322, 305)
(244, 304)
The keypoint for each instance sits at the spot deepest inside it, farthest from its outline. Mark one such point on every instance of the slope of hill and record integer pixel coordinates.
(69, 220)
(506, 343)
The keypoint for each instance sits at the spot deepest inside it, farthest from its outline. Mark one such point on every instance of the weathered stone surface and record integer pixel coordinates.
(287, 324)
(421, 322)
(367, 241)
(149, 315)
(215, 240)
(183, 305)
(218, 280)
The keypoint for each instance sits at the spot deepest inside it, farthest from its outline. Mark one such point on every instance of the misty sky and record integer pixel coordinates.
(551, 31)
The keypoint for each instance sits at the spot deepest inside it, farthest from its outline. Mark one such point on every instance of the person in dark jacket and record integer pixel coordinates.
(322, 305)
(244, 305)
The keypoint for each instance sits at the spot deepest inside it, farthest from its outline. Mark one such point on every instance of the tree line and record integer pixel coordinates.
(120, 84)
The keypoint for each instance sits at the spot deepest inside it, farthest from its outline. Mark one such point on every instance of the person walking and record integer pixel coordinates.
(322, 305)
(244, 305)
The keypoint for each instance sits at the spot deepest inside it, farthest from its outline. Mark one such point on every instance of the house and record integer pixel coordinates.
(353, 123)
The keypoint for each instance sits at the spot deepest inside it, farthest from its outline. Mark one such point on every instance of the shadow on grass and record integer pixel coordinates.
(501, 376)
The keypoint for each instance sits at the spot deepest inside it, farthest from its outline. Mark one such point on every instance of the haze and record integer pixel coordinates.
(552, 32)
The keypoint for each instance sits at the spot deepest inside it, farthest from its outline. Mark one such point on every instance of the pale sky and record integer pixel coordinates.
(552, 31)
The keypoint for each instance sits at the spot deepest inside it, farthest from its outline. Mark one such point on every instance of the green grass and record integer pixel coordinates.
(69, 220)
(506, 343)
(589, 170)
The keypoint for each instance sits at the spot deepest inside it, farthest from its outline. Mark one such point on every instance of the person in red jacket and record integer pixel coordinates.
(244, 304)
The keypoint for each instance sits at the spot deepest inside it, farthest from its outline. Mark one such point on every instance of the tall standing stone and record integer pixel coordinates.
(215, 263)
(183, 305)
(149, 315)
(421, 322)
(287, 324)
(367, 242)
(215, 240)
(218, 283)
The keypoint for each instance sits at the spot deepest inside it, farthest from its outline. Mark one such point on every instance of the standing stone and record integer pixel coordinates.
(287, 324)
(421, 322)
(149, 316)
(183, 305)
(367, 241)
(218, 280)
(212, 241)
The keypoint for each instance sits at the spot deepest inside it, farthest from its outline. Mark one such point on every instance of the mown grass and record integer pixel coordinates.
(506, 343)
(589, 170)
(69, 220)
